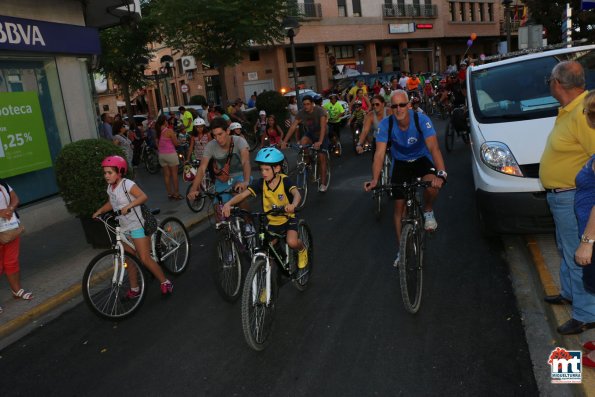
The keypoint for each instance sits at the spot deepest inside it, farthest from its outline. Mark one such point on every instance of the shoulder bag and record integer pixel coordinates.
(9, 230)
(150, 225)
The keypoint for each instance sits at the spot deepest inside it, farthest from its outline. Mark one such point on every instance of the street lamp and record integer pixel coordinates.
(506, 4)
(292, 27)
(167, 64)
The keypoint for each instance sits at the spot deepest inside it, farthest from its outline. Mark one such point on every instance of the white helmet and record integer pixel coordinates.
(198, 122)
(262, 113)
(235, 126)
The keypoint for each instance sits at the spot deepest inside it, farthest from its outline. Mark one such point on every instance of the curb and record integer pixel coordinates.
(69, 293)
(559, 315)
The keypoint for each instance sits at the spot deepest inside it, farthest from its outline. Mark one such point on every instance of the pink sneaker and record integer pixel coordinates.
(167, 288)
(131, 295)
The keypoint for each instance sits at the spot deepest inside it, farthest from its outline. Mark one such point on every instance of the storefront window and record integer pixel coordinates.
(39, 78)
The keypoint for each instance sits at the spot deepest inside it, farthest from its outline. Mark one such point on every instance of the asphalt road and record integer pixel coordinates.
(347, 335)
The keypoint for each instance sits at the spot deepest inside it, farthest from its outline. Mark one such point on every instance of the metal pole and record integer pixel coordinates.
(508, 28)
(291, 34)
(166, 90)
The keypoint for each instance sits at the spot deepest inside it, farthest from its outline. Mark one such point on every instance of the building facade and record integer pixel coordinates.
(47, 48)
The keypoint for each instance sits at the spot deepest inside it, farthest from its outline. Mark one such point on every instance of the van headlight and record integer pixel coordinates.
(498, 157)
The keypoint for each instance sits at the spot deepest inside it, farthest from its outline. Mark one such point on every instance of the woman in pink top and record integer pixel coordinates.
(168, 158)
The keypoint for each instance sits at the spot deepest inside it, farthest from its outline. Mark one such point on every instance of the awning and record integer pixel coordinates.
(120, 104)
(103, 14)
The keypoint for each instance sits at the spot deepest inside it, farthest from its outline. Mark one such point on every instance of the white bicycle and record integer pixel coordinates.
(106, 280)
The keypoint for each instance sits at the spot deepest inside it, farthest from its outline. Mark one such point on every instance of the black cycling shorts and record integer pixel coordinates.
(281, 230)
(405, 171)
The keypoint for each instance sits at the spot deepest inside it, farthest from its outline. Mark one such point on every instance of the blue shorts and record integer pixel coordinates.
(223, 186)
(314, 139)
(136, 233)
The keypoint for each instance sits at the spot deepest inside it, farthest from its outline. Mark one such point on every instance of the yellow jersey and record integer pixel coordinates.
(280, 196)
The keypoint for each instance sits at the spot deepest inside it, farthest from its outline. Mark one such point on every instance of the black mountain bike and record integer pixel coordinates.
(273, 263)
(412, 244)
(458, 126)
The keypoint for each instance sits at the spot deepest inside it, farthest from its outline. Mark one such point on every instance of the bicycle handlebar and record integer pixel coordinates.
(276, 210)
(404, 185)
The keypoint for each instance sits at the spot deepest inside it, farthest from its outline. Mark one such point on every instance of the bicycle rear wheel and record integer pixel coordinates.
(197, 204)
(449, 137)
(152, 161)
(257, 313)
(302, 276)
(103, 291)
(301, 182)
(227, 267)
(410, 268)
(172, 246)
(252, 139)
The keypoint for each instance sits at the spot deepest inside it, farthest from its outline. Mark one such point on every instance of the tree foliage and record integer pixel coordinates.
(123, 47)
(217, 31)
(549, 14)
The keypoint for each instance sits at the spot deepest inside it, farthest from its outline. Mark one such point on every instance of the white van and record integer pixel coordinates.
(511, 113)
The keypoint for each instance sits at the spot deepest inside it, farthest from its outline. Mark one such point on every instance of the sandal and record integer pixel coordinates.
(22, 294)
(177, 196)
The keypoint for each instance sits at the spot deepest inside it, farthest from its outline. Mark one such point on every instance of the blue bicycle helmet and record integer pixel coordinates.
(269, 155)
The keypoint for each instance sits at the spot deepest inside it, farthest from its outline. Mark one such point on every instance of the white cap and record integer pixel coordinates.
(198, 121)
(235, 126)
(262, 113)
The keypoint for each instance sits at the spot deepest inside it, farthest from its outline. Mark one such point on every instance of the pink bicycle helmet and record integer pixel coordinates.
(116, 161)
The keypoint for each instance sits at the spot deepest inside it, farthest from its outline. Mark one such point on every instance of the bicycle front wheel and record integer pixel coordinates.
(152, 162)
(252, 139)
(302, 276)
(258, 312)
(227, 267)
(326, 155)
(410, 268)
(449, 137)
(197, 204)
(172, 246)
(301, 182)
(106, 283)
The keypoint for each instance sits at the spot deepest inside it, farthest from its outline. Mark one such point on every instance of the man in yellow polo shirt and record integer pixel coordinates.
(357, 86)
(186, 118)
(570, 144)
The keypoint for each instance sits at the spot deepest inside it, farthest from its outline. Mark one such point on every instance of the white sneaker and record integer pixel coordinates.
(322, 188)
(430, 223)
(396, 262)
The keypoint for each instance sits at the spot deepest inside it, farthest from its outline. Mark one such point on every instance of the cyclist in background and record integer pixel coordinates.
(416, 154)
(335, 112)
(276, 189)
(372, 121)
(357, 117)
(198, 141)
(313, 119)
(125, 196)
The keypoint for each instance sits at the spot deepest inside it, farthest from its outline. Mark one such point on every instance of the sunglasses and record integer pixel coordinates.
(376, 104)
(548, 80)
(399, 105)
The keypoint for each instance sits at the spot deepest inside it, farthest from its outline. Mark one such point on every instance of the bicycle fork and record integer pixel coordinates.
(119, 261)
(256, 292)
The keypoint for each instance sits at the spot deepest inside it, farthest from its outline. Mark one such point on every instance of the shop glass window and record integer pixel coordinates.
(39, 75)
(341, 4)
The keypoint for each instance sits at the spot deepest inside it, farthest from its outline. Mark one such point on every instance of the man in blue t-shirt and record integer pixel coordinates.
(415, 154)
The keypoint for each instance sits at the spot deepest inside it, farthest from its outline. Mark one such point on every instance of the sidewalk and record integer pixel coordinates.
(53, 259)
(546, 259)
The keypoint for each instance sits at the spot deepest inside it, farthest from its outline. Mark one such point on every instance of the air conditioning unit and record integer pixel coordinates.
(188, 63)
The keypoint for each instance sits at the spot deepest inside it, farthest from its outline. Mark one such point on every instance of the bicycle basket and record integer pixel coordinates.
(189, 173)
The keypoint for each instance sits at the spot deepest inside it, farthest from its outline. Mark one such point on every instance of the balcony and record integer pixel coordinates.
(514, 27)
(309, 10)
(409, 11)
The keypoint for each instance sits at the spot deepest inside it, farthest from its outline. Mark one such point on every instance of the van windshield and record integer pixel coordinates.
(520, 91)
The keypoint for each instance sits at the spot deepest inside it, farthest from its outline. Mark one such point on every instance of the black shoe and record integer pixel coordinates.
(572, 327)
(557, 300)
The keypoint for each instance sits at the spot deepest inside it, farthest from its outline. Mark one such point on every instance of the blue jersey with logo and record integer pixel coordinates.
(407, 145)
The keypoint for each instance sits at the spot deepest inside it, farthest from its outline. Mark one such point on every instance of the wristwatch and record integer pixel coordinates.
(442, 174)
(586, 239)
(358, 144)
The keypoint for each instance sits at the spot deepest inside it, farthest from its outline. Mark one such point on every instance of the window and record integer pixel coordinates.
(451, 11)
(343, 51)
(106, 108)
(472, 12)
(254, 56)
(490, 12)
(462, 11)
(481, 13)
(342, 8)
(357, 8)
(38, 77)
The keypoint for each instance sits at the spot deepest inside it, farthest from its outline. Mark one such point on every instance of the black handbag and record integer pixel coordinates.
(150, 225)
